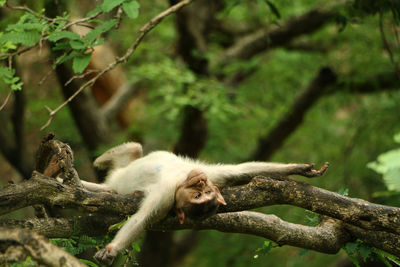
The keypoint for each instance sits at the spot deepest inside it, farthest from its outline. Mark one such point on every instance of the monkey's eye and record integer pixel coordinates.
(197, 196)
(208, 192)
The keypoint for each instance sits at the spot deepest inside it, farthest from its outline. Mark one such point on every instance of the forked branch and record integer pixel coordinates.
(142, 33)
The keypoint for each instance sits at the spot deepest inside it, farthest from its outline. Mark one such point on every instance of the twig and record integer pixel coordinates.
(79, 21)
(143, 31)
(6, 100)
(27, 9)
(118, 16)
(387, 46)
(80, 76)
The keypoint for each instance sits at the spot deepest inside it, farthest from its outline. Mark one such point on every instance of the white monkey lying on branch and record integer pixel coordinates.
(168, 181)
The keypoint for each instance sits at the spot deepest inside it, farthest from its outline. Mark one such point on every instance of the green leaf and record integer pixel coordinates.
(2, 2)
(388, 164)
(108, 5)
(90, 263)
(117, 226)
(17, 86)
(23, 38)
(131, 9)
(397, 138)
(135, 246)
(55, 36)
(61, 46)
(364, 251)
(354, 260)
(343, 191)
(65, 57)
(6, 72)
(351, 247)
(94, 11)
(77, 44)
(92, 35)
(26, 27)
(81, 62)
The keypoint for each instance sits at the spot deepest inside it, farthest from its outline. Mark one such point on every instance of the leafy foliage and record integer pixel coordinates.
(27, 263)
(178, 87)
(352, 128)
(266, 248)
(388, 165)
(33, 28)
(77, 244)
(8, 76)
(358, 249)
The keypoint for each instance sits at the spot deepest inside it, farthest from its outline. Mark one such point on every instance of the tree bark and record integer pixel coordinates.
(367, 221)
(39, 248)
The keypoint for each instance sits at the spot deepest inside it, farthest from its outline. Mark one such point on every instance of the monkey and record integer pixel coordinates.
(188, 187)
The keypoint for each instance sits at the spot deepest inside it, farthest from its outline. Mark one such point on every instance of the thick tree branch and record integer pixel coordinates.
(386, 241)
(39, 248)
(262, 191)
(327, 237)
(294, 117)
(358, 217)
(12, 144)
(377, 225)
(93, 225)
(268, 191)
(265, 38)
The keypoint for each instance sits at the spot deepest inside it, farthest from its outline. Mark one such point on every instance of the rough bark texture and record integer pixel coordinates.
(36, 246)
(377, 224)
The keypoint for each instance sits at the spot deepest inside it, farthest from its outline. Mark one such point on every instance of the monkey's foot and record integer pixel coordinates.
(105, 256)
(310, 172)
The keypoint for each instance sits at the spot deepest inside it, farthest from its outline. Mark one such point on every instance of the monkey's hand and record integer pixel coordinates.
(308, 170)
(106, 255)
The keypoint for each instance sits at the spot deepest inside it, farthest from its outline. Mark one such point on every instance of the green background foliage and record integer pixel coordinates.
(351, 130)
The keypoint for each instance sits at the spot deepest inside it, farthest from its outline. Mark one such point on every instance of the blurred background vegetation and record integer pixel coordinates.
(329, 69)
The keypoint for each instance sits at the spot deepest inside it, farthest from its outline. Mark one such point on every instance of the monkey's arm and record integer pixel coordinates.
(233, 174)
(155, 206)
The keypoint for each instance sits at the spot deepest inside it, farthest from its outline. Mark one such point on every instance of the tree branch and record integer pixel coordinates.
(294, 117)
(38, 247)
(265, 38)
(327, 237)
(262, 191)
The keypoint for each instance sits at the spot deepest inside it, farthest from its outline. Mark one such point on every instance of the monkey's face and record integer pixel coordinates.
(197, 197)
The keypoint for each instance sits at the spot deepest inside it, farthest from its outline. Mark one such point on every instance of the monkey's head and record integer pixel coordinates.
(197, 197)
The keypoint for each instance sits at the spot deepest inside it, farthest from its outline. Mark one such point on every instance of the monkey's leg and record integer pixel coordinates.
(93, 187)
(119, 156)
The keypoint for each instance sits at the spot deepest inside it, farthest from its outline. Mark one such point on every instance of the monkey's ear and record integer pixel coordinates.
(220, 198)
(180, 214)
